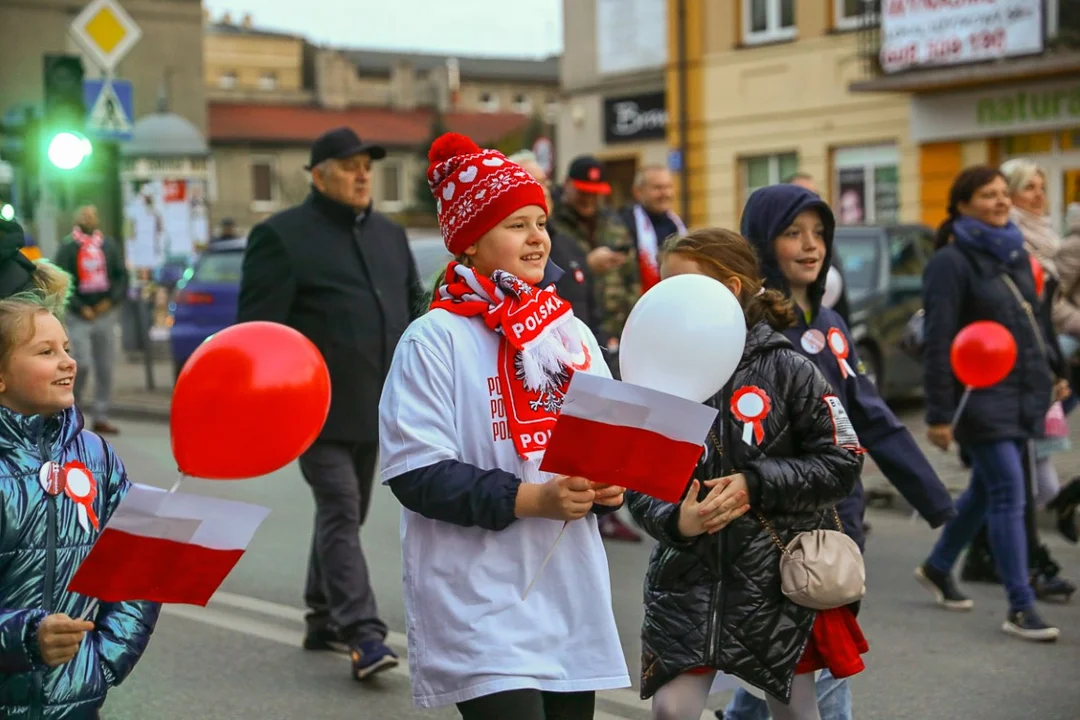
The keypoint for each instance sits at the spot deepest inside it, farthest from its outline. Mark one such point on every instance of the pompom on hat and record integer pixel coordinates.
(476, 189)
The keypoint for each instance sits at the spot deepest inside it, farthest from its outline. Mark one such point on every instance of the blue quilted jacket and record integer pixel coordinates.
(41, 546)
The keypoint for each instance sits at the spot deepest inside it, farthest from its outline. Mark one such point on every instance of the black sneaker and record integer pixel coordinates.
(1027, 625)
(325, 637)
(370, 658)
(1052, 589)
(943, 588)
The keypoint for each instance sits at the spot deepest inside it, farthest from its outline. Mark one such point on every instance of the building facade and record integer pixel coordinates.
(767, 96)
(1007, 86)
(838, 90)
(614, 83)
(272, 94)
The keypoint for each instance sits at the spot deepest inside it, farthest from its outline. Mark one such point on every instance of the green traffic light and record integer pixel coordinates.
(7, 212)
(67, 150)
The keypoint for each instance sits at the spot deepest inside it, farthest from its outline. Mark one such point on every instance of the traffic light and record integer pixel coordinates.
(65, 112)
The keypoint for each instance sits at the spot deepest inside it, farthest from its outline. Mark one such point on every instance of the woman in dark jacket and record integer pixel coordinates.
(712, 596)
(982, 272)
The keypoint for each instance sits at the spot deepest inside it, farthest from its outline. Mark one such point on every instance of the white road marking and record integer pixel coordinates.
(217, 617)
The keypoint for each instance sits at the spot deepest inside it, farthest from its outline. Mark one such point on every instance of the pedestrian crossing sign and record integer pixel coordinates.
(110, 109)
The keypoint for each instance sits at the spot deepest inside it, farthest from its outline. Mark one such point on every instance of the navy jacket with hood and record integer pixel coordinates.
(768, 212)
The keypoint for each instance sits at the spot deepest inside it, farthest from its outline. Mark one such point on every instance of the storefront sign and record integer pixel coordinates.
(634, 118)
(926, 33)
(1008, 110)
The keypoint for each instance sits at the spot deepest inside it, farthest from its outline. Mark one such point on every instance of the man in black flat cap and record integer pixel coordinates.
(344, 276)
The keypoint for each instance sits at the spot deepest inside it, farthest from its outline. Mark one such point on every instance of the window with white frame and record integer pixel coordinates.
(227, 80)
(849, 13)
(391, 179)
(866, 185)
(763, 170)
(268, 81)
(522, 103)
(264, 190)
(489, 102)
(768, 20)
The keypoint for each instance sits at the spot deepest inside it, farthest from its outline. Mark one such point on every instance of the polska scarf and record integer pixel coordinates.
(649, 245)
(539, 352)
(90, 266)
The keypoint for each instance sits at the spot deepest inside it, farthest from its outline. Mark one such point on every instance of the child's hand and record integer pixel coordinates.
(561, 498)
(716, 511)
(59, 637)
(607, 495)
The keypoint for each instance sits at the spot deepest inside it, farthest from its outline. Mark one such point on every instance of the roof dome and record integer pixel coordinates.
(165, 134)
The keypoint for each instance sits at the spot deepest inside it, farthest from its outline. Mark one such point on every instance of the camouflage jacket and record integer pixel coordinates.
(616, 290)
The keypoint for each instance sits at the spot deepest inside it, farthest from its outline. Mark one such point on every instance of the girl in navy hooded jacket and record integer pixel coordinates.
(792, 230)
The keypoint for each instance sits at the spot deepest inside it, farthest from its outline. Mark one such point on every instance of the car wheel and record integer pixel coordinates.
(870, 360)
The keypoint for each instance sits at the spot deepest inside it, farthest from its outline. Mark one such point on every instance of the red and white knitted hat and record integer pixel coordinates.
(475, 189)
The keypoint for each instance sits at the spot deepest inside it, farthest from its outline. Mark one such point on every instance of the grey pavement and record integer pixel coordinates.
(241, 657)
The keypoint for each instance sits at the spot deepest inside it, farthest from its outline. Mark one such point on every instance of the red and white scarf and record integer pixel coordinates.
(539, 352)
(649, 245)
(90, 266)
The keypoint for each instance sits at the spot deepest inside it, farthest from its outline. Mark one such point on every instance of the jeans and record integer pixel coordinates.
(93, 345)
(997, 495)
(834, 701)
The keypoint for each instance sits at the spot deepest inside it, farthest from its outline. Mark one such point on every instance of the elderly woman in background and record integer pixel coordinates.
(1027, 188)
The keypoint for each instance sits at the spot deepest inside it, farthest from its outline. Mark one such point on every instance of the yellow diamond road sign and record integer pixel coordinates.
(106, 31)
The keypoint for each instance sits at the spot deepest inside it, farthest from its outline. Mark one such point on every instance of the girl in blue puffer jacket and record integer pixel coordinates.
(60, 484)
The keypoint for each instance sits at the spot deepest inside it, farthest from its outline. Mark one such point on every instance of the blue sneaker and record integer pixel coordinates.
(370, 658)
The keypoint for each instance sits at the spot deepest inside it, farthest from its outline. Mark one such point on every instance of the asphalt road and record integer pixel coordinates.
(241, 657)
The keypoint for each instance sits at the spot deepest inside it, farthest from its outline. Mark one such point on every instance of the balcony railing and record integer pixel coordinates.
(1062, 33)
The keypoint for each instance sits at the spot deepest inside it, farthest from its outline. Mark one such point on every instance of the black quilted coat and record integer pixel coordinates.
(715, 600)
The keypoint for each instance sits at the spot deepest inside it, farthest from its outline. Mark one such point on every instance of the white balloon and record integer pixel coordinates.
(834, 285)
(684, 337)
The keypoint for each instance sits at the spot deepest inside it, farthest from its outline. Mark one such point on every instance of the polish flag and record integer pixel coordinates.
(167, 547)
(621, 434)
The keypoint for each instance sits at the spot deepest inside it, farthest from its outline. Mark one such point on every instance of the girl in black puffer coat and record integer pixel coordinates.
(712, 593)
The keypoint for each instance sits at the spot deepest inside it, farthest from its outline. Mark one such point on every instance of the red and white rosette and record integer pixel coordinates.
(80, 486)
(750, 404)
(839, 345)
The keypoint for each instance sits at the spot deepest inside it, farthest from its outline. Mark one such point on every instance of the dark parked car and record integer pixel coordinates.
(883, 268)
(207, 293)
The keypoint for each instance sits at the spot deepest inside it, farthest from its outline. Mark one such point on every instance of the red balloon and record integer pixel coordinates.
(983, 354)
(1039, 274)
(248, 402)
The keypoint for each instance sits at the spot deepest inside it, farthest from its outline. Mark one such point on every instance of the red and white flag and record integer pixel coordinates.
(167, 547)
(621, 434)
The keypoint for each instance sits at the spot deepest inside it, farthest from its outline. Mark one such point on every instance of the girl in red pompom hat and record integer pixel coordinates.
(473, 393)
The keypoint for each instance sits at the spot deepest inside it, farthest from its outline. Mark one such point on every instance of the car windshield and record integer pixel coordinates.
(859, 257)
(219, 267)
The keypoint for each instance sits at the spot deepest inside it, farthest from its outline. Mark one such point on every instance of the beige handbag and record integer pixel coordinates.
(820, 569)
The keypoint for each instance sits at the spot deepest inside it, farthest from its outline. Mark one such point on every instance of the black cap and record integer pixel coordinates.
(15, 268)
(587, 175)
(342, 143)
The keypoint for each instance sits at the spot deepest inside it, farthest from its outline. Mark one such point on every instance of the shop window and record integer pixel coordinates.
(768, 20)
(1028, 144)
(263, 183)
(866, 188)
(765, 170)
(849, 13)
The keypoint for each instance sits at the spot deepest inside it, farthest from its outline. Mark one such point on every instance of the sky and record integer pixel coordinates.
(519, 28)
